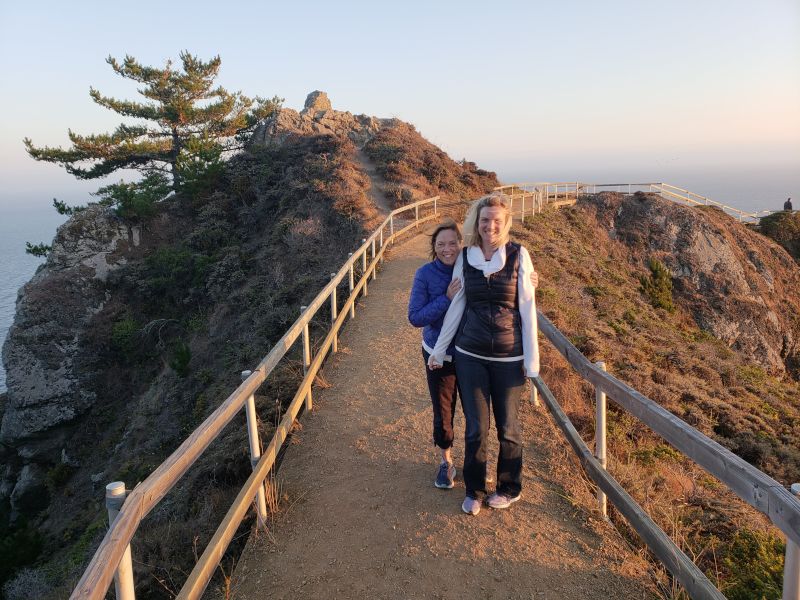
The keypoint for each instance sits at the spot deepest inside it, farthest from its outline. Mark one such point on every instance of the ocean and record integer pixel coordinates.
(746, 189)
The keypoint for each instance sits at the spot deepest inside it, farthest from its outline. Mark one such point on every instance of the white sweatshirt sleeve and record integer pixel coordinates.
(452, 318)
(527, 312)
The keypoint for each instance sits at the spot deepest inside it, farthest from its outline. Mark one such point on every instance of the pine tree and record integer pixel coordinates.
(189, 124)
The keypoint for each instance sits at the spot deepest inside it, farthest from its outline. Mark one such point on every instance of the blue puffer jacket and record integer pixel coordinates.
(429, 302)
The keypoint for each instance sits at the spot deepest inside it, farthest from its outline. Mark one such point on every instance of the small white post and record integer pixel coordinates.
(351, 286)
(374, 265)
(123, 577)
(334, 309)
(600, 438)
(255, 451)
(791, 563)
(306, 359)
(534, 394)
(435, 210)
(364, 266)
(416, 212)
(381, 244)
(391, 227)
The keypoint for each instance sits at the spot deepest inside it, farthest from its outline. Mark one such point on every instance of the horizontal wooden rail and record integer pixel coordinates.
(144, 497)
(680, 565)
(204, 569)
(750, 484)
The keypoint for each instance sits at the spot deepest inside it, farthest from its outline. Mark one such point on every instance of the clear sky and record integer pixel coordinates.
(533, 90)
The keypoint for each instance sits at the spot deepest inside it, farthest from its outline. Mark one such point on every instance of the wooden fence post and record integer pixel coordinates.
(351, 286)
(374, 265)
(334, 309)
(600, 438)
(364, 267)
(306, 359)
(255, 451)
(123, 577)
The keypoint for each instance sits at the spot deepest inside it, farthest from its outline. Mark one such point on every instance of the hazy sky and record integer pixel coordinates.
(532, 90)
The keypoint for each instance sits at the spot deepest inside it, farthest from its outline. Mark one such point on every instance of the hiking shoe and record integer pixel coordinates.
(445, 476)
(471, 506)
(502, 500)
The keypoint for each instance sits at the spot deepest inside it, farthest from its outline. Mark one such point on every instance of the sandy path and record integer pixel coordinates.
(360, 516)
(376, 182)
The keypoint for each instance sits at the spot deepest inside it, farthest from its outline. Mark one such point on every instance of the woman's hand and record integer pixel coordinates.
(433, 364)
(453, 288)
(535, 279)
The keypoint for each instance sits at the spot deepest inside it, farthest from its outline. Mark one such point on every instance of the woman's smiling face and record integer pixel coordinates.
(447, 246)
(491, 221)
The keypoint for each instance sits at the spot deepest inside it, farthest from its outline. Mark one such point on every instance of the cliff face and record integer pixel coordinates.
(737, 284)
(48, 367)
(130, 336)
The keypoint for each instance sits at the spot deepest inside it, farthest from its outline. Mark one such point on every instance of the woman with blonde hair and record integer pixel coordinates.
(492, 320)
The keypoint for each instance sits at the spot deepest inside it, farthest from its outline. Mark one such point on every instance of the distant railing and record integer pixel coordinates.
(112, 560)
(531, 198)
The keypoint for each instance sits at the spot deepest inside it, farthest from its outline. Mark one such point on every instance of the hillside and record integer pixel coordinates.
(725, 360)
(134, 331)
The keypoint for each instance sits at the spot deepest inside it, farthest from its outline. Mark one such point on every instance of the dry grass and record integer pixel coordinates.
(589, 288)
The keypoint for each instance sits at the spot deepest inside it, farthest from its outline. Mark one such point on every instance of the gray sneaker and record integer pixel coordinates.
(502, 500)
(446, 476)
(471, 506)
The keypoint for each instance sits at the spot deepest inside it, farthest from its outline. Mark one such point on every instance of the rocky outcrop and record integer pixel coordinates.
(46, 368)
(737, 284)
(318, 117)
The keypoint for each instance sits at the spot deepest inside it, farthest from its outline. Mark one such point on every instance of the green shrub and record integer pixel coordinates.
(19, 546)
(179, 359)
(658, 287)
(125, 336)
(754, 561)
(753, 375)
(58, 475)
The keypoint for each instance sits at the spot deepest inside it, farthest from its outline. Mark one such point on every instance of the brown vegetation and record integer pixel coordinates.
(415, 169)
(590, 288)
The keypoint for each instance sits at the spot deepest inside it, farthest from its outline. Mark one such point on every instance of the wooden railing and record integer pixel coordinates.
(759, 490)
(530, 198)
(756, 488)
(144, 497)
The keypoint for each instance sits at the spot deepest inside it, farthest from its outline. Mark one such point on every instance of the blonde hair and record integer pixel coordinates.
(471, 235)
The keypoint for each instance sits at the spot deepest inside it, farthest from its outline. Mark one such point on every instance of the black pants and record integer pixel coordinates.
(499, 384)
(444, 395)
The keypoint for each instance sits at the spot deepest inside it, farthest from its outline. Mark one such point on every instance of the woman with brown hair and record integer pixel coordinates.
(433, 289)
(492, 322)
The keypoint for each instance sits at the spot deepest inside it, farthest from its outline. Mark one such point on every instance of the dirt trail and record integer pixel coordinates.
(377, 182)
(359, 515)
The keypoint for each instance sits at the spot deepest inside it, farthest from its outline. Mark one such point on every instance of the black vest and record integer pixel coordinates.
(491, 323)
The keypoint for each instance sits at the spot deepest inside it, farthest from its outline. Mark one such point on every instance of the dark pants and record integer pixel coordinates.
(444, 395)
(484, 382)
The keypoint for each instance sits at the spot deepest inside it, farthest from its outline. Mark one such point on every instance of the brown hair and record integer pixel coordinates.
(472, 221)
(444, 225)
